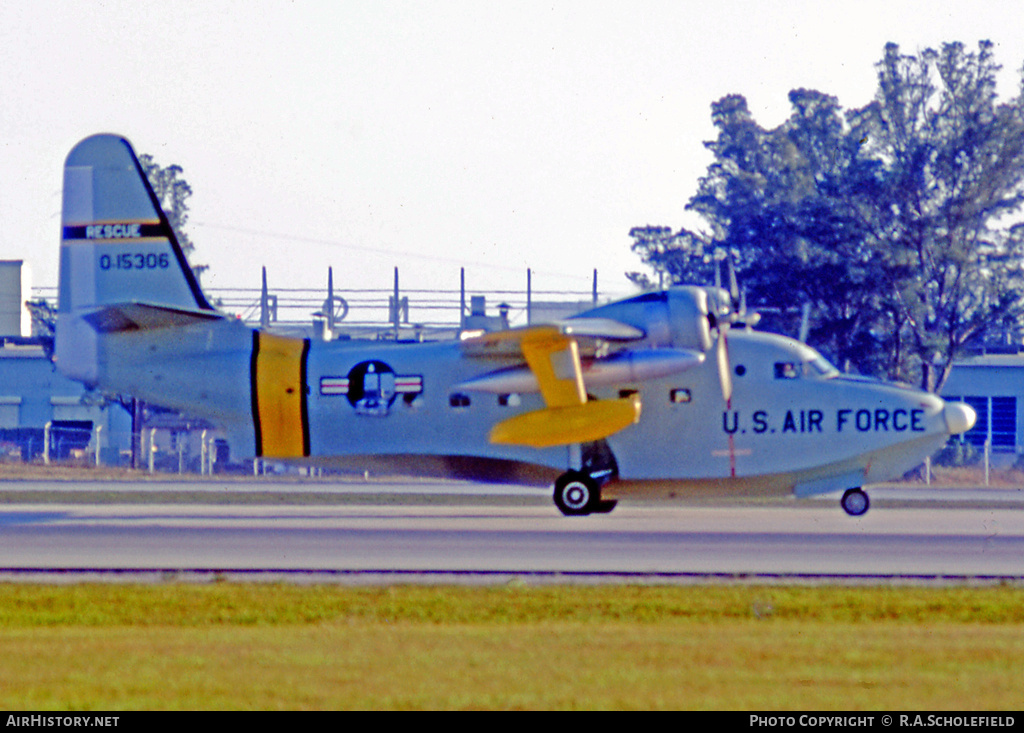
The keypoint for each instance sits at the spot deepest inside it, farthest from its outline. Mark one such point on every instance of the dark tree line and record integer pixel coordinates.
(893, 222)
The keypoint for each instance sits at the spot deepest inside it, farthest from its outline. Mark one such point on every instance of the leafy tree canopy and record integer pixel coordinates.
(893, 222)
(173, 193)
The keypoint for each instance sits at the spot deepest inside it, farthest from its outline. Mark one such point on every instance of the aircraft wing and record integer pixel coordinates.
(143, 316)
(587, 332)
(553, 357)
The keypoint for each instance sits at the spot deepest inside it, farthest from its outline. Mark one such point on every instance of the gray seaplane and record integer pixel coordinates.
(670, 391)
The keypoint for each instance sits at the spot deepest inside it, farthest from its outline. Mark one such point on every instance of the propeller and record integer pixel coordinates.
(734, 288)
(722, 323)
(724, 374)
(725, 316)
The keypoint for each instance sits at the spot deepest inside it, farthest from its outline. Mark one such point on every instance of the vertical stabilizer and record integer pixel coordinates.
(117, 247)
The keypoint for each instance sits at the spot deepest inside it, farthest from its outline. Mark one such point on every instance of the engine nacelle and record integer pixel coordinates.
(677, 317)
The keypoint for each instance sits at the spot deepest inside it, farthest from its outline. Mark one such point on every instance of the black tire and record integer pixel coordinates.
(605, 506)
(576, 494)
(855, 502)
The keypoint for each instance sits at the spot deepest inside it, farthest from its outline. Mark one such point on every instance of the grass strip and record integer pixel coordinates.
(270, 646)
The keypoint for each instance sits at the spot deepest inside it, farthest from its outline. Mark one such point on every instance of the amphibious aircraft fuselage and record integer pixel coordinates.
(666, 391)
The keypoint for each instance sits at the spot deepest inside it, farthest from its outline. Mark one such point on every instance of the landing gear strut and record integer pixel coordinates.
(855, 502)
(578, 494)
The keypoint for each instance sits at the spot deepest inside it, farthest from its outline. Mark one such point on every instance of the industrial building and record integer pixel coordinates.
(36, 401)
(993, 384)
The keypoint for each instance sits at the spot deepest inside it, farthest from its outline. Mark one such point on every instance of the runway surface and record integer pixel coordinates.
(469, 539)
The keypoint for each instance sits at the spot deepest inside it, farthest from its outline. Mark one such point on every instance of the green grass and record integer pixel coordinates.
(253, 646)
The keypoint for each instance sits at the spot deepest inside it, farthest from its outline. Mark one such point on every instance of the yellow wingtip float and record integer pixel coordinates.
(569, 417)
(567, 425)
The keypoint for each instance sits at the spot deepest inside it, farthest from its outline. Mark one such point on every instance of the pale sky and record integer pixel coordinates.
(427, 135)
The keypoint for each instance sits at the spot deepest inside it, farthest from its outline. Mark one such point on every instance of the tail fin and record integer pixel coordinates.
(117, 247)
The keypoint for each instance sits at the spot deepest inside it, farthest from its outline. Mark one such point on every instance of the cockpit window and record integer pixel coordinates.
(818, 367)
(786, 370)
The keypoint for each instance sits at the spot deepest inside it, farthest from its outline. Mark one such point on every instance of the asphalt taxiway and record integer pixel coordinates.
(441, 532)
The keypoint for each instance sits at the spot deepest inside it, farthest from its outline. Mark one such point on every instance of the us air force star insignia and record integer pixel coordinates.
(372, 387)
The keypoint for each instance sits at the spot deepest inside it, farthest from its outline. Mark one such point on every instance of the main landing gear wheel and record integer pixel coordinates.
(577, 494)
(854, 502)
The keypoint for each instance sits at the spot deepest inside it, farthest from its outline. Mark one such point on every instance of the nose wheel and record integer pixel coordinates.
(578, 494)
(855, 502)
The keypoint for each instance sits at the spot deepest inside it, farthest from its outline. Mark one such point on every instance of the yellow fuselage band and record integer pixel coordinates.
(279, 396)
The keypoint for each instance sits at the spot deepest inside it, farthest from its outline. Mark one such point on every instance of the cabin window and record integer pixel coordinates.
(679, 396)
(458, 400)
(509, 400)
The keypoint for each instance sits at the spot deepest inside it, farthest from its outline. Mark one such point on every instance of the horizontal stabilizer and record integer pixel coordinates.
(566, 425)
(143, 317)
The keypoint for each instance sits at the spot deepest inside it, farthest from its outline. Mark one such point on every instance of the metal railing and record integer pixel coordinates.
(376, 312)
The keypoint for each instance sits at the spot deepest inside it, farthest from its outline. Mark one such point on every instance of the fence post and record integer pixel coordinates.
(152, 448)
(46, 443)
(96, 435)
(988, 452)
(397, 323)
(462, 298)
(529, 296)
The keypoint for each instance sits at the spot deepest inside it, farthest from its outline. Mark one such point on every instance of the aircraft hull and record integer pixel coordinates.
(879, 466)
(377, 399)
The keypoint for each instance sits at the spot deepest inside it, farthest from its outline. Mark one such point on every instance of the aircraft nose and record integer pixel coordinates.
(959, 417)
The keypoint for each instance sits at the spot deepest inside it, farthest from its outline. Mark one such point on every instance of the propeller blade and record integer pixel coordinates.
(718, 288)
(724, 374)
(734, 288)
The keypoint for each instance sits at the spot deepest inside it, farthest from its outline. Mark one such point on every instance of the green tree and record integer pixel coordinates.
(173, 193)
(888, 220)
